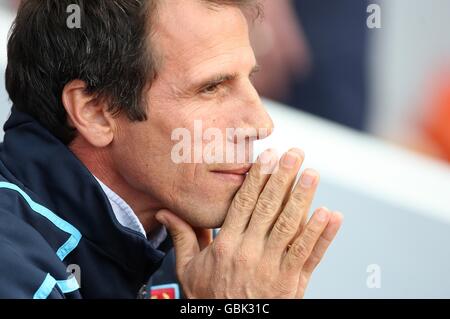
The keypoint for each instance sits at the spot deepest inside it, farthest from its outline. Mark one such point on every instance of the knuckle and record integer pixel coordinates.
(220, 248)
(299, 200)
(314, 259)
(299, 251)
(178, 237)
(325, 242)
(254, 177)
(280, 179)
(285, 226)
(243, 201)
(265, 207)
(242, 257)
(310, 236)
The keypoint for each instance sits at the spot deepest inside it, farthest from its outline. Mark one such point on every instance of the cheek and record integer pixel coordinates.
(142, 154)
(195, 183)
(187, 179)
(149, 141)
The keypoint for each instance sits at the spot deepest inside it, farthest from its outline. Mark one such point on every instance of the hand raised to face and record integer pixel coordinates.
(266, 247)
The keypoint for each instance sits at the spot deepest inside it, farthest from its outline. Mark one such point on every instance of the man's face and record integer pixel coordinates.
(205, 75)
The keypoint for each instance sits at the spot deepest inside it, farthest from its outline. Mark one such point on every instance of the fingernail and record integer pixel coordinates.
(268, 162)
(298, 151)
(290, 159)
(322, 214)
(160, 219)
(266, 157)
(308, 179)
(339, 215)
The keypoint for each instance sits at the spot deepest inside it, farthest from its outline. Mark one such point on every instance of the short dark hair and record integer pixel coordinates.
(110, 53)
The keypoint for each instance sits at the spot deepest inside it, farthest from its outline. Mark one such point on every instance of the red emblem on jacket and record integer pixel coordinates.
(170, 291)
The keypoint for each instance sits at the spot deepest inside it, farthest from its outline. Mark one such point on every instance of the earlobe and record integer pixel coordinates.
(88, 114)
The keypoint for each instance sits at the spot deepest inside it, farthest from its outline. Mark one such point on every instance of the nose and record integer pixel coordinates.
(255, 115)
(253, 123)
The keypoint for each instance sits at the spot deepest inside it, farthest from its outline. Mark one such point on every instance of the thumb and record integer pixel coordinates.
(183, 237)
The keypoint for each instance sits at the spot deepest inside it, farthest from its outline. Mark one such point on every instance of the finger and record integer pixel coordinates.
(291, 220)
(315, 184)
(323, 243)
(319, 251)
(271, 199)
(183, 236)
(245, 200)
(301, 249)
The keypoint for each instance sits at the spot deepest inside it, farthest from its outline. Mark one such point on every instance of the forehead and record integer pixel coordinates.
(190, 34)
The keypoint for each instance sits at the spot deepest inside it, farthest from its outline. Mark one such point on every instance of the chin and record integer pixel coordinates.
(205, 216)
(205, 205)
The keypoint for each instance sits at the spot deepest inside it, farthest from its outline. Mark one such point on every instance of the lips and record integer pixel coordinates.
(241, 170)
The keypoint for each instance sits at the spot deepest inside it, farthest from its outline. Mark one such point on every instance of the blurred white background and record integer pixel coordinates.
(6, 19)
(406, 55)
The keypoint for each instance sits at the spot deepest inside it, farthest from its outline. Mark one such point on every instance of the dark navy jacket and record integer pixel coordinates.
(54, 217)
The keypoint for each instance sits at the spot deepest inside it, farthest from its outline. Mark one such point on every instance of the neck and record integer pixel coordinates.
(99, 162)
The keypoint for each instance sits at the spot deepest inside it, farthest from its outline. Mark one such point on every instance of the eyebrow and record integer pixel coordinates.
(220, 78)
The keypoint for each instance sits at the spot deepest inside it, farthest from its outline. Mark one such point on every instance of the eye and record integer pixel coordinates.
(211, 89)
(252, 75)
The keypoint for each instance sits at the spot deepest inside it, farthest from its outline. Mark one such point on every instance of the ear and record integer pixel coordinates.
(88, 114)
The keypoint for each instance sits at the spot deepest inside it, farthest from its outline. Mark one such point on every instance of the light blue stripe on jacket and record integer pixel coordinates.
(49, 282)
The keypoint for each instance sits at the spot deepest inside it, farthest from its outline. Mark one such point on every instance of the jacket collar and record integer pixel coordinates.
(48, 168)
